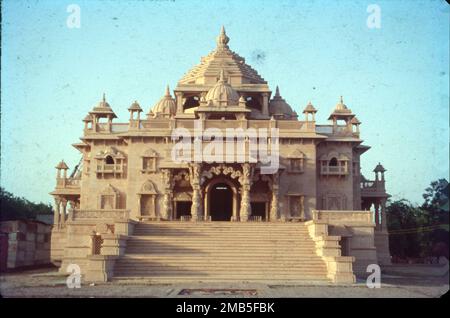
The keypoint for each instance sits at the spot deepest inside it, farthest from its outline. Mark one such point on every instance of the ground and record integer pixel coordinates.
(46, 282)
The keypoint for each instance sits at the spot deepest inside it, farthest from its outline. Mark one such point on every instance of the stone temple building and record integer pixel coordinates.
(130, 210)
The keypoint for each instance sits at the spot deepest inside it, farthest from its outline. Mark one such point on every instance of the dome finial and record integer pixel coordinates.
(222, 40)
(342, 100)
(167, 90)
(222, 76)
(104, 97)
(277, 91)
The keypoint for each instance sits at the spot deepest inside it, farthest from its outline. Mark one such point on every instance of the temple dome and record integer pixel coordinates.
(103, 109)
(165, 107)
(279, 108)
(222, 94)
(221, 58)
(341, 107)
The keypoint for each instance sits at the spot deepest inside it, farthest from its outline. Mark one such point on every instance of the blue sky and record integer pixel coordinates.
(395, 79)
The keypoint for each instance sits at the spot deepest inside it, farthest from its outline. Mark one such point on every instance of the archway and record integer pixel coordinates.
(221, 201)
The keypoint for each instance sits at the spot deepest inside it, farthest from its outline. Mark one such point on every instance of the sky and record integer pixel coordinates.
(394, 78)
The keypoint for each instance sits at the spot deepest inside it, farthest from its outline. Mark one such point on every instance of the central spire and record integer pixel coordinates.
(222, 76)
(222, 40)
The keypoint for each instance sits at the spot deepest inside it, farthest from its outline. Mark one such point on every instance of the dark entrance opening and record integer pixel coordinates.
(221, 202)
(183, 209)
(259, 209)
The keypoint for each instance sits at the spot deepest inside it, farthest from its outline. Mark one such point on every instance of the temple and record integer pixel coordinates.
(129, 209)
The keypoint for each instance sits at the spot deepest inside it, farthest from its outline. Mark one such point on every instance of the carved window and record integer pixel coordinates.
(296, 165)
(110, 161)
(109, 198)
(147, 200)
(296, 161)
(149, 161)
(107, 202)
(148, 164)
(296, 206)
(334, 164)
(334, 201)
(97, 242)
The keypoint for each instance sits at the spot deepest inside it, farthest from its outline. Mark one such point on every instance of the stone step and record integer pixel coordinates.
(257, 262)
(242, 236)
(235, 275)
(214, 240)
(202, 257)
(127, 279)
(220, 251)
(211, 254)
(216, 245)
(221, 267)
(219, 270)
(220, 224)
(217, 232)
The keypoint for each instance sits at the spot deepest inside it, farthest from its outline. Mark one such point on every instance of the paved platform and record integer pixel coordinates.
(46, 282)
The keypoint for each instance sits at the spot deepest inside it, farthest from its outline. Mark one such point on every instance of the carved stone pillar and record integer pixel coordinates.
(383, 225)
(377, 216)
(56, 217)
(246, 209)
(265, 105)
(196, 208)
(63, 212)
(179, 101)
(274, 203)
(72, 206)
(166, 212)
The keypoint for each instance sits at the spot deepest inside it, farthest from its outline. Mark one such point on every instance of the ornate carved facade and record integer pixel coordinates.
(128, 167)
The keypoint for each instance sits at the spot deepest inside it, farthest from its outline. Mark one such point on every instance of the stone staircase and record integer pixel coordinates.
(220, 251)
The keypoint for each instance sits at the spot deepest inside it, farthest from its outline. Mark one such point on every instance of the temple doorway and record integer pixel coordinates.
(221, 202)
(259, 209)
(183, 209)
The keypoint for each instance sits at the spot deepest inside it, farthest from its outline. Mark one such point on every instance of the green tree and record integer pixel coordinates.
(420, 231)
(15, 208)
(402, 215)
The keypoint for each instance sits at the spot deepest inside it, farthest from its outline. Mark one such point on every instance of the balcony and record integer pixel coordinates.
(334, 170)
(373, 188)
(67, 186)
(109, 168)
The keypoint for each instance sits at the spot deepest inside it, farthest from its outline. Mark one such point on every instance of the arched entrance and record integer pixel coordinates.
(221, 200)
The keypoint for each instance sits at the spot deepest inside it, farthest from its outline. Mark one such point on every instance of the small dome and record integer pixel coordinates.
(103, 108)
(309, 109)
(88, 118)
(379, 168)
(62, 165)
(166, 106)
(279, 107)
(222, 94)
(341, 107)
(135, 106)
(355, 121)
(103, 103)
